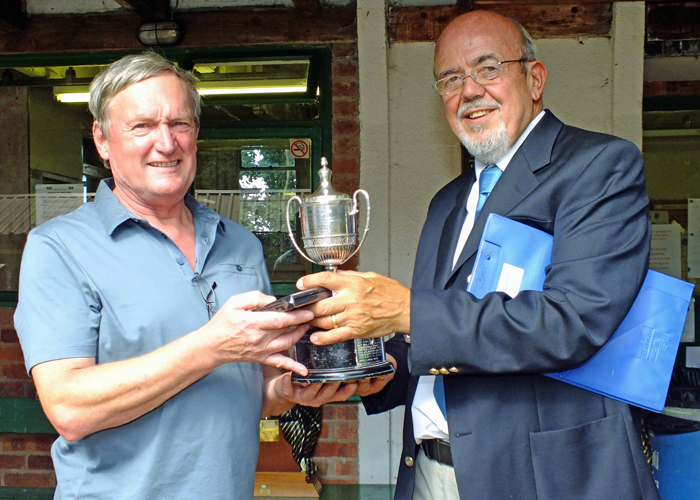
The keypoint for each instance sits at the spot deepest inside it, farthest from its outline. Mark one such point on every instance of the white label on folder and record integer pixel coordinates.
(651, 343)
(510, 280)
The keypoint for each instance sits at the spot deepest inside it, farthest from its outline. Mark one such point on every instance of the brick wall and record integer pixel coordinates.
(346, 122)
(25, 459)
(337, 451)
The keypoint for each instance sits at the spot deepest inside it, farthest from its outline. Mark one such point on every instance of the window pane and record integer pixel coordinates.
(250, 182)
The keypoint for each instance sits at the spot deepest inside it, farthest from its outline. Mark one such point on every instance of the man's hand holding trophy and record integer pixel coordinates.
(330, 237)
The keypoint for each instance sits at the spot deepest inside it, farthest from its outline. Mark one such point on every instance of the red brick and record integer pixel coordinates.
(324, 430)
(345, 127)
(9, 335)
(344, 89)
(11, 352)
(30, 389)
(15, 371)
(344, 70)
(347, 450)
(322, 466)
(14, 443)
(13, 462)
(40, 462)
(31, 479)
(326, 449)
(342, 411)
(346, 166)
(28, 442)
(345, 468)
(13, 389)
(6, 314)
(348, 186)
(344, 50)
(345, 109)
(345, 146)
(345, 431)
(43, 442)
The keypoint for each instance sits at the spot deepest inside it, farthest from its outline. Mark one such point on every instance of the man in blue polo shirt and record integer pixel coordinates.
(134, 314)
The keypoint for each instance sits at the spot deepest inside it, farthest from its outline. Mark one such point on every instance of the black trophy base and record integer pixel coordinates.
(344, 375)
(342, 362)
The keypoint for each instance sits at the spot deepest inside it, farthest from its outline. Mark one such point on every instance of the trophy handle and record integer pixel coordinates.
(289, 227)
(353, 211)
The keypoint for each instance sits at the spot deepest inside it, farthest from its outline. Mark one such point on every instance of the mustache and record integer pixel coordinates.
(476, 103)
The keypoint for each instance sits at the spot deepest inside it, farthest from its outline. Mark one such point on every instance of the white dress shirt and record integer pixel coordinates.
(428, 420)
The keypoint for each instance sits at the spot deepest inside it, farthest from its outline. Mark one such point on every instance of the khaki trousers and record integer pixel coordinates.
(434, 481)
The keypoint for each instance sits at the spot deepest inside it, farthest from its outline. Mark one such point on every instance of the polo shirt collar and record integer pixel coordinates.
(113, 214)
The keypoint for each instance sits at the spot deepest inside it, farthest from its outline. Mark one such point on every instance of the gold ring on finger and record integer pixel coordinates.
(335, 323)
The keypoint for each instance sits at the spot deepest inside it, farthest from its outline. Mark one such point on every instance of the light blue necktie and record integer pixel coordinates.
(487, 180)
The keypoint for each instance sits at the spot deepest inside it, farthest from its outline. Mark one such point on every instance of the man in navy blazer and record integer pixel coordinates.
(508, 431)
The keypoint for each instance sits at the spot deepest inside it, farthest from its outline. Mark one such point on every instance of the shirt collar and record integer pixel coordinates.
(113, 214)
(505, 159)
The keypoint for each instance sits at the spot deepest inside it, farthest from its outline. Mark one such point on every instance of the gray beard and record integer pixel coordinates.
(485, 149)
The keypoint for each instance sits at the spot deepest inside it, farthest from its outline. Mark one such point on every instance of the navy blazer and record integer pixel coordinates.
(515, 433)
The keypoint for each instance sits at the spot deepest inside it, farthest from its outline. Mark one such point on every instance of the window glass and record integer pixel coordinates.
(250, 181)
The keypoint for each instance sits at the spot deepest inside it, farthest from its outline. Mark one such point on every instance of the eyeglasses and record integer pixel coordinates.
(207, 291)
(482, 74)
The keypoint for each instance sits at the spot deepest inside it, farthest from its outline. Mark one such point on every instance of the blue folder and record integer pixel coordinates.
(635, 365)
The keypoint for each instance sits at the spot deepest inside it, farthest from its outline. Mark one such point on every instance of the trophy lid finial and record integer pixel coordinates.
(325, 190)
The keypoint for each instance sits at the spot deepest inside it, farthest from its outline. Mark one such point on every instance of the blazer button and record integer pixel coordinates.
(409, 461)
(444, 371)
(434, 371)
(454, 369)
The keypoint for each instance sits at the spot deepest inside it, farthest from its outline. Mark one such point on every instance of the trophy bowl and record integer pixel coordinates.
(329, 235)
(330, 250)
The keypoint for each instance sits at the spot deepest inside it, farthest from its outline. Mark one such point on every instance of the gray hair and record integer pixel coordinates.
(133, 69)
(527, 46)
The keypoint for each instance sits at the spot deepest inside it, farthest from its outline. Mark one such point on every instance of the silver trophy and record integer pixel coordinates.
(329, 233)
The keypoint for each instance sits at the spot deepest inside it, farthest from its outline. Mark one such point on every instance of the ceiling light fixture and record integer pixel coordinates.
(75, 93)
(249, 90)
(162, 33)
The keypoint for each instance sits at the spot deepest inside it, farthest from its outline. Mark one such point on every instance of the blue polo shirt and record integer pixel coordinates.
(100, 282)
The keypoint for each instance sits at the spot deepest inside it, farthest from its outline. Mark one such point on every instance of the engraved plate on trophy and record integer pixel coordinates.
(330, 238)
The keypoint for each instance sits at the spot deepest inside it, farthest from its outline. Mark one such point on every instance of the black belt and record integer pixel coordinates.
(437, 449)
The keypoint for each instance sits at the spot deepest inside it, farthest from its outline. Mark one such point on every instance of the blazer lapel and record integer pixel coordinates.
(451, 231)
(516, 183)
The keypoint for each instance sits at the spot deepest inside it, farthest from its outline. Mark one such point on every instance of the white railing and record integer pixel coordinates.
(259, 210)
(19, 213)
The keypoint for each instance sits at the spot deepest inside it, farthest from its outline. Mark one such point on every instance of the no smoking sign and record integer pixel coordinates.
(299, 148)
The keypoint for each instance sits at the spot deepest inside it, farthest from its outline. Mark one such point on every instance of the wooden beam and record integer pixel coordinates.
(220, 28)
(308, 7)
(12, 16)
(149, 10)
(670, 88)
(541, 19)
(673, 21)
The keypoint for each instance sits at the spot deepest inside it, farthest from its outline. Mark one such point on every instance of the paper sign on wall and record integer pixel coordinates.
(665, 254)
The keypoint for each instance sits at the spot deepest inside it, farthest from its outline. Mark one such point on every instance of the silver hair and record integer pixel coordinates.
(133, 69)
(527, 45)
